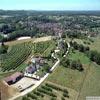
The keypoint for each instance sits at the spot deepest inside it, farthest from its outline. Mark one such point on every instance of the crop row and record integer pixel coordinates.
(17, 55)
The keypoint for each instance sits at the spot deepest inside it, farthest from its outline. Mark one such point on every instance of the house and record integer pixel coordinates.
(38, 60)
(14, 78)
(30, 69)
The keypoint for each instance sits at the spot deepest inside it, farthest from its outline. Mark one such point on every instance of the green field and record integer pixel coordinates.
(86, 83)
(68, 77)
(78, 55)
(91, 86)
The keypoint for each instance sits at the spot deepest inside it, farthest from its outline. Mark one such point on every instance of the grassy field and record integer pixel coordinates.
(68, 77)
(78, 55)
(86, 83)
(91, 86)
(96, 44)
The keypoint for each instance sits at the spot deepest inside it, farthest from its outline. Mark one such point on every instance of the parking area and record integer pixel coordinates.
(24, 83)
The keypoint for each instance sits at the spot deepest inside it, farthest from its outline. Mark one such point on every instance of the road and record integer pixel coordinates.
(37, 83)
(67, 50)
(42, 79)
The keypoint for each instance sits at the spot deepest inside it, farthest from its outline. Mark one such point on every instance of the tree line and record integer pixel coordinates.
(92, 54)
(73, 64)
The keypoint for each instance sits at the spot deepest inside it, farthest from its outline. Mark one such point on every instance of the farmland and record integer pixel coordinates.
(74, 81)
(18, 54)
(51, 91)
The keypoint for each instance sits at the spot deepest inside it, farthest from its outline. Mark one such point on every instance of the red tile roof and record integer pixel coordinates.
(13, 76)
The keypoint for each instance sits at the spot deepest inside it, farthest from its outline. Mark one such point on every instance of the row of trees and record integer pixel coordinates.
(79, 47)
(19, 33)
(16, 56)
(93, 55)
(73, 64)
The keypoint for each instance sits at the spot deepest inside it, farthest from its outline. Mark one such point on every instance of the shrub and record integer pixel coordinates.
(54, 87)
(62, 98)
(47, 88)
(38, 93)
(25, 98)
(46, 92)
(65, 95)
(33, 96)
(53, 98)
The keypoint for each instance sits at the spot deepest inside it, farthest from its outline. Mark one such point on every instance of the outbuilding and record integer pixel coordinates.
(14, 78)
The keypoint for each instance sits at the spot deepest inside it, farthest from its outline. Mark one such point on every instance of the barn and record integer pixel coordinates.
(14, 78)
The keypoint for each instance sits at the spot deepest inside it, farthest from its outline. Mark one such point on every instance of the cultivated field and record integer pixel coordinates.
(28, 40)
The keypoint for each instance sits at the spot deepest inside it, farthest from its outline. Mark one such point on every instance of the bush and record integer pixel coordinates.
(62, 98)
(46, 92)
(76, 64)
(54, 87)
(38, 93)
(33, 96)
(53, 98)
(65, 94)
(47, 88)
(25, 98)
(3, 49)
(65, 91)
